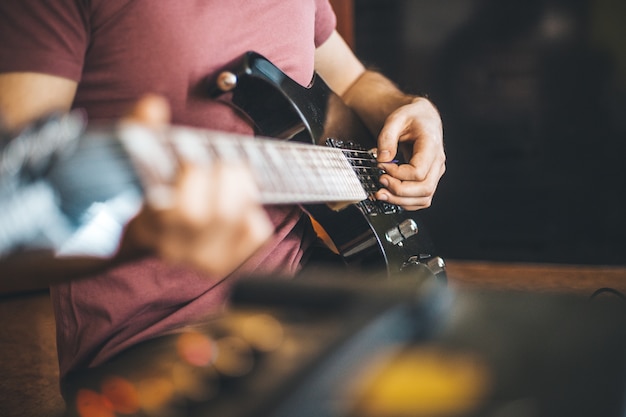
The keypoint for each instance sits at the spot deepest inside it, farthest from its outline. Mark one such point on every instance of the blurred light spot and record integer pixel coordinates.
(155, 393)
(263, 332)
(423, 382)
(557, 25)
(195, 348)
(122, 394)
(234, 357)
(194, 383)
(92, 404)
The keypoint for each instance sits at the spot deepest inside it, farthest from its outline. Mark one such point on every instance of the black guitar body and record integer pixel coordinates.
(369, 234)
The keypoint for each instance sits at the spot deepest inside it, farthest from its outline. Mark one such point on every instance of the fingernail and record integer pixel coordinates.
(383, 196)
(384, 182)
(384, 156)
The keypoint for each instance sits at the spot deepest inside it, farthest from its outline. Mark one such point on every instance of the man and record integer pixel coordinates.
(104, 56)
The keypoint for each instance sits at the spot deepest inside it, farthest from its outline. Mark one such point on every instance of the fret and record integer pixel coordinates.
(155, 163)
(297, 167)
(261, 166)
(320, 167)
(279, 168)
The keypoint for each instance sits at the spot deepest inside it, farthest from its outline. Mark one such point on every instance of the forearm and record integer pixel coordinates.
(30, 270)
(26, 96)
(37, 270)
(373, 97)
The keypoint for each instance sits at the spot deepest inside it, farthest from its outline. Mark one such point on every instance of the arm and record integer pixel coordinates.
(26, 96)
(396, 118)
(197, 229)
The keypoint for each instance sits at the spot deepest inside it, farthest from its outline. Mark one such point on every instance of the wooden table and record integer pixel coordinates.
(582, 279)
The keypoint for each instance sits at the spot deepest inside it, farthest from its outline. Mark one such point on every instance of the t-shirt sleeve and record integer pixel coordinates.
(325, 21)
(48, 37)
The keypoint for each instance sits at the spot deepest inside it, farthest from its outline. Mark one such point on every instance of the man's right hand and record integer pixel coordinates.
(215, 223)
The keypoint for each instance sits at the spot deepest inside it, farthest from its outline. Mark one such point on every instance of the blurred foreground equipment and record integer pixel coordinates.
(334, 346)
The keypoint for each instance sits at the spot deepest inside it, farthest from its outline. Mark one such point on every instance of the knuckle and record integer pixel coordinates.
(420, 173)
(395, 187)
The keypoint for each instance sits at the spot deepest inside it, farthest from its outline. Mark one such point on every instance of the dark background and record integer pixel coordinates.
(533, 98)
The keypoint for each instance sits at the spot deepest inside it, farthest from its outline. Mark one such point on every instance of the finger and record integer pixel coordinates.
(194, 189)
(410, 193)
(208, 197)
(226, 246)
(407, 203)
(151, 109)
(427, 156)
(388, 138)
(139, 232)
(408, 172)
(408, 189)
(188, 211)
(235, 191)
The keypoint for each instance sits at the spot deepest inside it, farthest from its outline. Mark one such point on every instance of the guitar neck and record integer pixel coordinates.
(286, 172)
(77, 192)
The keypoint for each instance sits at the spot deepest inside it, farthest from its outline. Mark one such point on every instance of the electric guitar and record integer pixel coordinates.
(70, 189)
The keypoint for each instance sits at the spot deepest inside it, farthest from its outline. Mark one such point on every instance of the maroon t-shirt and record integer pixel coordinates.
(118, 50)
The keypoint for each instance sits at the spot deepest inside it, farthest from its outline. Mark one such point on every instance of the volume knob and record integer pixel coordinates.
(396, 235)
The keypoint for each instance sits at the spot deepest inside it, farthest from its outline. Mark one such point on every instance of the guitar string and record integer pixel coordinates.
(368, 174)
(267, 159)
(304, 172)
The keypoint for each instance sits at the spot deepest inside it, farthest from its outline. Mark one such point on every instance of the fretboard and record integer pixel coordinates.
(286, 172)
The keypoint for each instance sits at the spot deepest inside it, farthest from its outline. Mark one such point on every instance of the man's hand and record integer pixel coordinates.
(417, 128)
(397, 118)
(213, 221)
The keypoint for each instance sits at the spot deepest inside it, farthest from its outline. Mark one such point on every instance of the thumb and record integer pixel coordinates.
(388, 141)
(151, 109)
